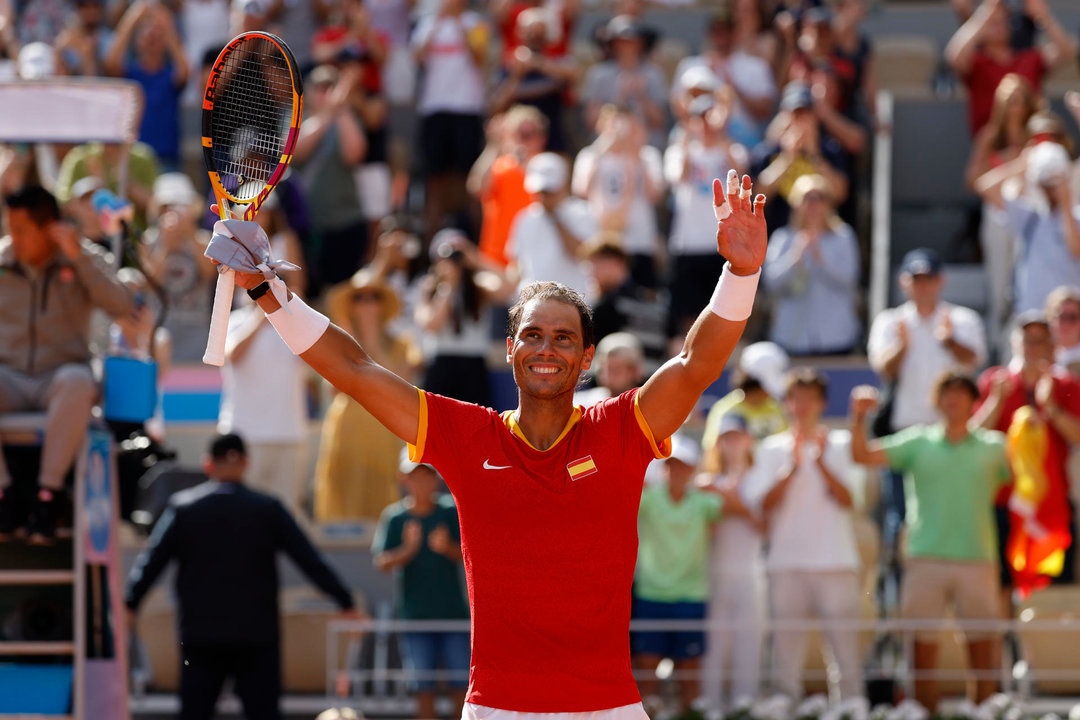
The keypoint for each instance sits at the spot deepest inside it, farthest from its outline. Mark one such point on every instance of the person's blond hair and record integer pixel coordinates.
(339, 714)
(1059, 296)
(802, 187)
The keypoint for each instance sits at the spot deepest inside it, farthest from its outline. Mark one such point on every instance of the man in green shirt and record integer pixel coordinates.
(672, 577)
(951, 477)
(419, 538)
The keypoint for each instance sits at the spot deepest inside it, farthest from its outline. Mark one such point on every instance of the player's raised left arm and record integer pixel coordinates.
(741, 237)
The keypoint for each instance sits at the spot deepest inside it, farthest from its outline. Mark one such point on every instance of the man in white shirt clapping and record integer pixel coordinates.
(546, 237)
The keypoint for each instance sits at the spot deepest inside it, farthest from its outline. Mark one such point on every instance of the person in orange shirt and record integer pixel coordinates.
(498, 177)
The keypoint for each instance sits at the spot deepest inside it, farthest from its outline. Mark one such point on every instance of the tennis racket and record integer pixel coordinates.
(250, 121)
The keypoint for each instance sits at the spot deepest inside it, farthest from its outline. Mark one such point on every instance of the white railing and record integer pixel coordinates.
(880, 237)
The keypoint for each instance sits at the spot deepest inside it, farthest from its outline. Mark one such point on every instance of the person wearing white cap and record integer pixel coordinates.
(804, 477)
(672, 577)
(703, 151)
(737, 596)
(757, 386)
(1035, 196)
(546, 238)
(419, 540)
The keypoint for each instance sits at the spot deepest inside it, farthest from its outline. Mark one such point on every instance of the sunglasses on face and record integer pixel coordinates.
(367, 296)
(1067, 317)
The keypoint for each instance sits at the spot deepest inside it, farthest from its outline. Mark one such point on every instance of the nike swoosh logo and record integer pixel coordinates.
(489, 466)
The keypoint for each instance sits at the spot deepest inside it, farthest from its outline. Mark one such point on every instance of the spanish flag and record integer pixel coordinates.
(581, 468)
(1038, 506)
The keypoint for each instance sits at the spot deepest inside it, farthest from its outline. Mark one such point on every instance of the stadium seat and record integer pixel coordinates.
(905, 64)
(1051, 650)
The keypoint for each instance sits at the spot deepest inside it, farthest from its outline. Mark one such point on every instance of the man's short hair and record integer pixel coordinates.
(548, 290)
(952, 379)
(607, 244)
(37, 201)
(806, 377)
(1059, 296)
(226, 446)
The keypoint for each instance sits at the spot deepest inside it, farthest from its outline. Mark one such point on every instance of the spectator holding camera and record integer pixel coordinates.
(50, 283)
(453, 309)
(981, 53)
(84, 42)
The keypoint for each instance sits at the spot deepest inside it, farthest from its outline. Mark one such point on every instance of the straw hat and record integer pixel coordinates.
(340, 297)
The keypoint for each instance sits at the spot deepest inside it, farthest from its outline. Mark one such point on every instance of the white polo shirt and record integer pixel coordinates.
(926, 358)
(808, 529)
(534, 244)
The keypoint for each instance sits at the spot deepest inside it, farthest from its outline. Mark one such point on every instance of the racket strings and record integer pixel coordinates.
(252, 114)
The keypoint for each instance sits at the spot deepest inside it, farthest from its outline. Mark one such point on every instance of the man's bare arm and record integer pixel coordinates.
(673, 390)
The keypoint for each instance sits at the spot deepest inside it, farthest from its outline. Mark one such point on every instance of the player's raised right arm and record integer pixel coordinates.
(339, 358)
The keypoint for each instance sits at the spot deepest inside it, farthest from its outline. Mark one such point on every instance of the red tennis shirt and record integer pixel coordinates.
(549, 540)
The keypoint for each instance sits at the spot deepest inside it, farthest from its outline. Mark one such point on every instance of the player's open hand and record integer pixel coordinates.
(741, 235)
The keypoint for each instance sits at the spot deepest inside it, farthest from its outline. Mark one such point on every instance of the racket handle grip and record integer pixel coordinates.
(219, 319)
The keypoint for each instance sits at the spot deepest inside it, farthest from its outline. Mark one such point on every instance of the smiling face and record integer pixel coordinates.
(547, 353)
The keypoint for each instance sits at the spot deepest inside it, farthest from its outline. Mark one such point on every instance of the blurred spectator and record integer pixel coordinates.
(391, 18)
(757, 388)
(274, 423)
(80, 210)
(171, 253)
(852, 45)
(225, 539)
(802, 147)
(453, 310)
(634, 10)
(622, 177)
(671, 581)
(397, 260)
(547, 237)
(752, 28)
(738, 593)
(298, 21)
(9, 43)
(44, 349)
(419, 538)
(950, 541)
(1063, 312)
(812, 271)
(1038, 206)
(101, 161)
(533, 77)
(628, 80)
(1000, 141)
(1032, 379)
(41, 20)
(253, 16)
(451, 48)
(204, 27)
(355, 42)
(619, 303)
(618, 365)
(804, 477)
(981, 53)
(498, 176)
(912, 345)
(82, 45)
(147, 49)
(331, 146)
(704, 151)
(557, 17)
(356, 475)
(748, 76)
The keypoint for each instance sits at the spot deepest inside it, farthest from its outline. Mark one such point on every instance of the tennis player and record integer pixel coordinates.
(548, 493)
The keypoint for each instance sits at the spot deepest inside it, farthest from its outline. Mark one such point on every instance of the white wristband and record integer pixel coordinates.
(733, 298)
(298, 325)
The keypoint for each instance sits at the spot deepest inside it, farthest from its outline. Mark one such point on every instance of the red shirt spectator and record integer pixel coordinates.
(985, 75)
(559, 28)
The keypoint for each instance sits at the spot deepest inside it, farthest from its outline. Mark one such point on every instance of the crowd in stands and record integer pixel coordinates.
(452, 152)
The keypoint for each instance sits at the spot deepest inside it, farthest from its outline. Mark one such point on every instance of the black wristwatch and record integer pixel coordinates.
(259, 290)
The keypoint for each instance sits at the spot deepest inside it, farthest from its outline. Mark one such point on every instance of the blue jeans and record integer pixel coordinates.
(425, 652)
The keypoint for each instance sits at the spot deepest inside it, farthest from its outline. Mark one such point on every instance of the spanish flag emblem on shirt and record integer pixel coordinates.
(581, 468)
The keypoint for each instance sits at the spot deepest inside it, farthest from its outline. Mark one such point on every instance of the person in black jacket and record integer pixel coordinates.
(225, 538)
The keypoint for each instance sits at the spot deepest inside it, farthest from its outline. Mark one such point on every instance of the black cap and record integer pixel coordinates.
(227, 446)
(796, 96)
(921, 261)
(623, 27)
